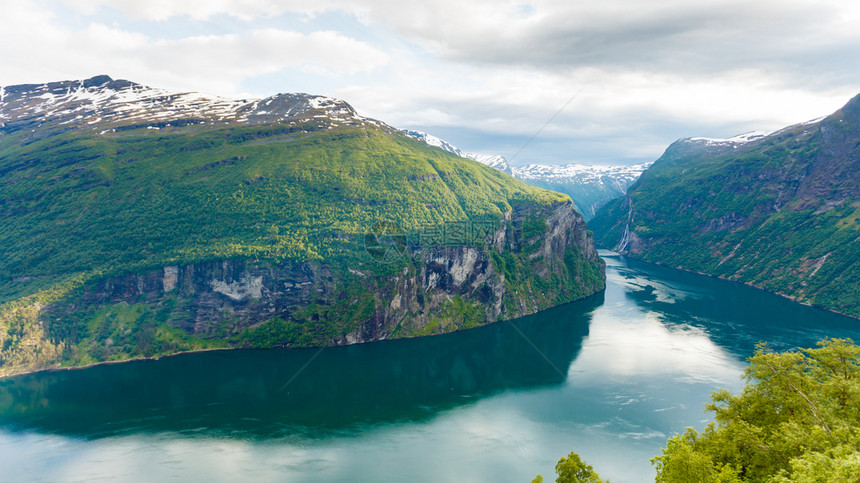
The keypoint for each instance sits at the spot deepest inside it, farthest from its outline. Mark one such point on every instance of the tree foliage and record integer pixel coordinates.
(797, 419)
(571, 469)
(86, 205)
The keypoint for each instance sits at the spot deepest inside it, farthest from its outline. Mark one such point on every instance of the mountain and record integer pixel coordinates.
(588, 186)
(778, 211)
(492, 160)
(51, 108)
(138, 222)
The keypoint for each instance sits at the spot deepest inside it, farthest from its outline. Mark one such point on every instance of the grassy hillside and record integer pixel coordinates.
(780, 213)
(77, 204)
(80, 208)
(587, 197)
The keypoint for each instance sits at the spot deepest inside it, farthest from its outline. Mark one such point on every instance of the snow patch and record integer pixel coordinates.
(579, 173)
(492, 160)
(432, 140)
(739, 139)
(813, 121)
(129, 103)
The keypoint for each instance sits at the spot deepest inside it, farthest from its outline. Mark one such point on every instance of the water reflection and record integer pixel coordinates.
(650, 338)
(636, 364)
(272, 393)
(734, 316)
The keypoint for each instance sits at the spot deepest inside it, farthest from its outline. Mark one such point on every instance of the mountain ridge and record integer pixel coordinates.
(779, 211)
(112, 104)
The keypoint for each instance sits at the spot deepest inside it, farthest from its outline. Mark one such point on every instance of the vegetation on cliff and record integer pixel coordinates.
(87, 206)
(779, 212)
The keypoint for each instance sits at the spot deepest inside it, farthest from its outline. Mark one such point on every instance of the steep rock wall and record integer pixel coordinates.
(538, 257)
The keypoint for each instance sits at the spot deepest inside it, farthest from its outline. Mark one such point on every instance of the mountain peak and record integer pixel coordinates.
(851, 110)
(97, 81)
(104, 103)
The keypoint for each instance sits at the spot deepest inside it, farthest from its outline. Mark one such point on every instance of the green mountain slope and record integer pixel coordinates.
(779, 211)
(137, 233)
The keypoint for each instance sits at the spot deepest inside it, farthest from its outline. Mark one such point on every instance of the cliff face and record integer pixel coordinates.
(242, 294)
(777, 211)
(244, 303)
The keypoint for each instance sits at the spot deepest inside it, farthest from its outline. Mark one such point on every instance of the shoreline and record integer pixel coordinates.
(134, 359)
(748, 284)
(123, 361)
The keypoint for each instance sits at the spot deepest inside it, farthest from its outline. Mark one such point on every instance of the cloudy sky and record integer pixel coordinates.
(619, 79)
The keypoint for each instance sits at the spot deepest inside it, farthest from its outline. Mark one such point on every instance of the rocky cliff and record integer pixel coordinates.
(265, 303)
(138, 223)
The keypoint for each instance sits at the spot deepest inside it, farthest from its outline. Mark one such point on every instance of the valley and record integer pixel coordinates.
(141, 223)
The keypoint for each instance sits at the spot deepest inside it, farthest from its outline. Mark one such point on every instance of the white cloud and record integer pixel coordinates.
(647, 74)
(696, 39)
(46, 50)
(225, 61)
(197, 9)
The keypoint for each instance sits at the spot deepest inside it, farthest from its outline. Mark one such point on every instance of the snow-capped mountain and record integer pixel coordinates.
(119, 104)
(588, 186)
(107, 105)
(432, 140)
(620, 176)
(491, 160)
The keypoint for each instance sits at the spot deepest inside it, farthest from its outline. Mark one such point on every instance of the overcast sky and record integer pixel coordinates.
(631, 76)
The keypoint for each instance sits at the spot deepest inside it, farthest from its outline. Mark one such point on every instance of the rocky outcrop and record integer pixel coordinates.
(440, 289)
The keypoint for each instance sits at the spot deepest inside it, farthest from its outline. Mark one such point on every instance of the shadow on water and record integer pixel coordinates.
(735, 316)
(275, 393)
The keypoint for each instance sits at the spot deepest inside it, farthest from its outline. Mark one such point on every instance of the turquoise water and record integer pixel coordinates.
(610, 377)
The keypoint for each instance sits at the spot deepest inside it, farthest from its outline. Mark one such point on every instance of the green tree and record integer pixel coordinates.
(797, 419)
(571, 469)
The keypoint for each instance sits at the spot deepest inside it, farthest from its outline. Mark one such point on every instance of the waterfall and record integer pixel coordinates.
(625, 238)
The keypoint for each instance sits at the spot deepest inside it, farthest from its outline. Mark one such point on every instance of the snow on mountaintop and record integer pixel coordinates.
(813, 121)
(737, 140)
(577, 173)
(112, 103)
(492, 160)
(589, 187)
(580, 172)
(432, 140)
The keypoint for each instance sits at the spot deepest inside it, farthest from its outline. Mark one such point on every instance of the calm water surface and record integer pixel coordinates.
(610, 377)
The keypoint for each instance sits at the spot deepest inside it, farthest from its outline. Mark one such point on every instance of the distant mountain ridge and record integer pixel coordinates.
(494, 161)
(588, 186)
(780, 211)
